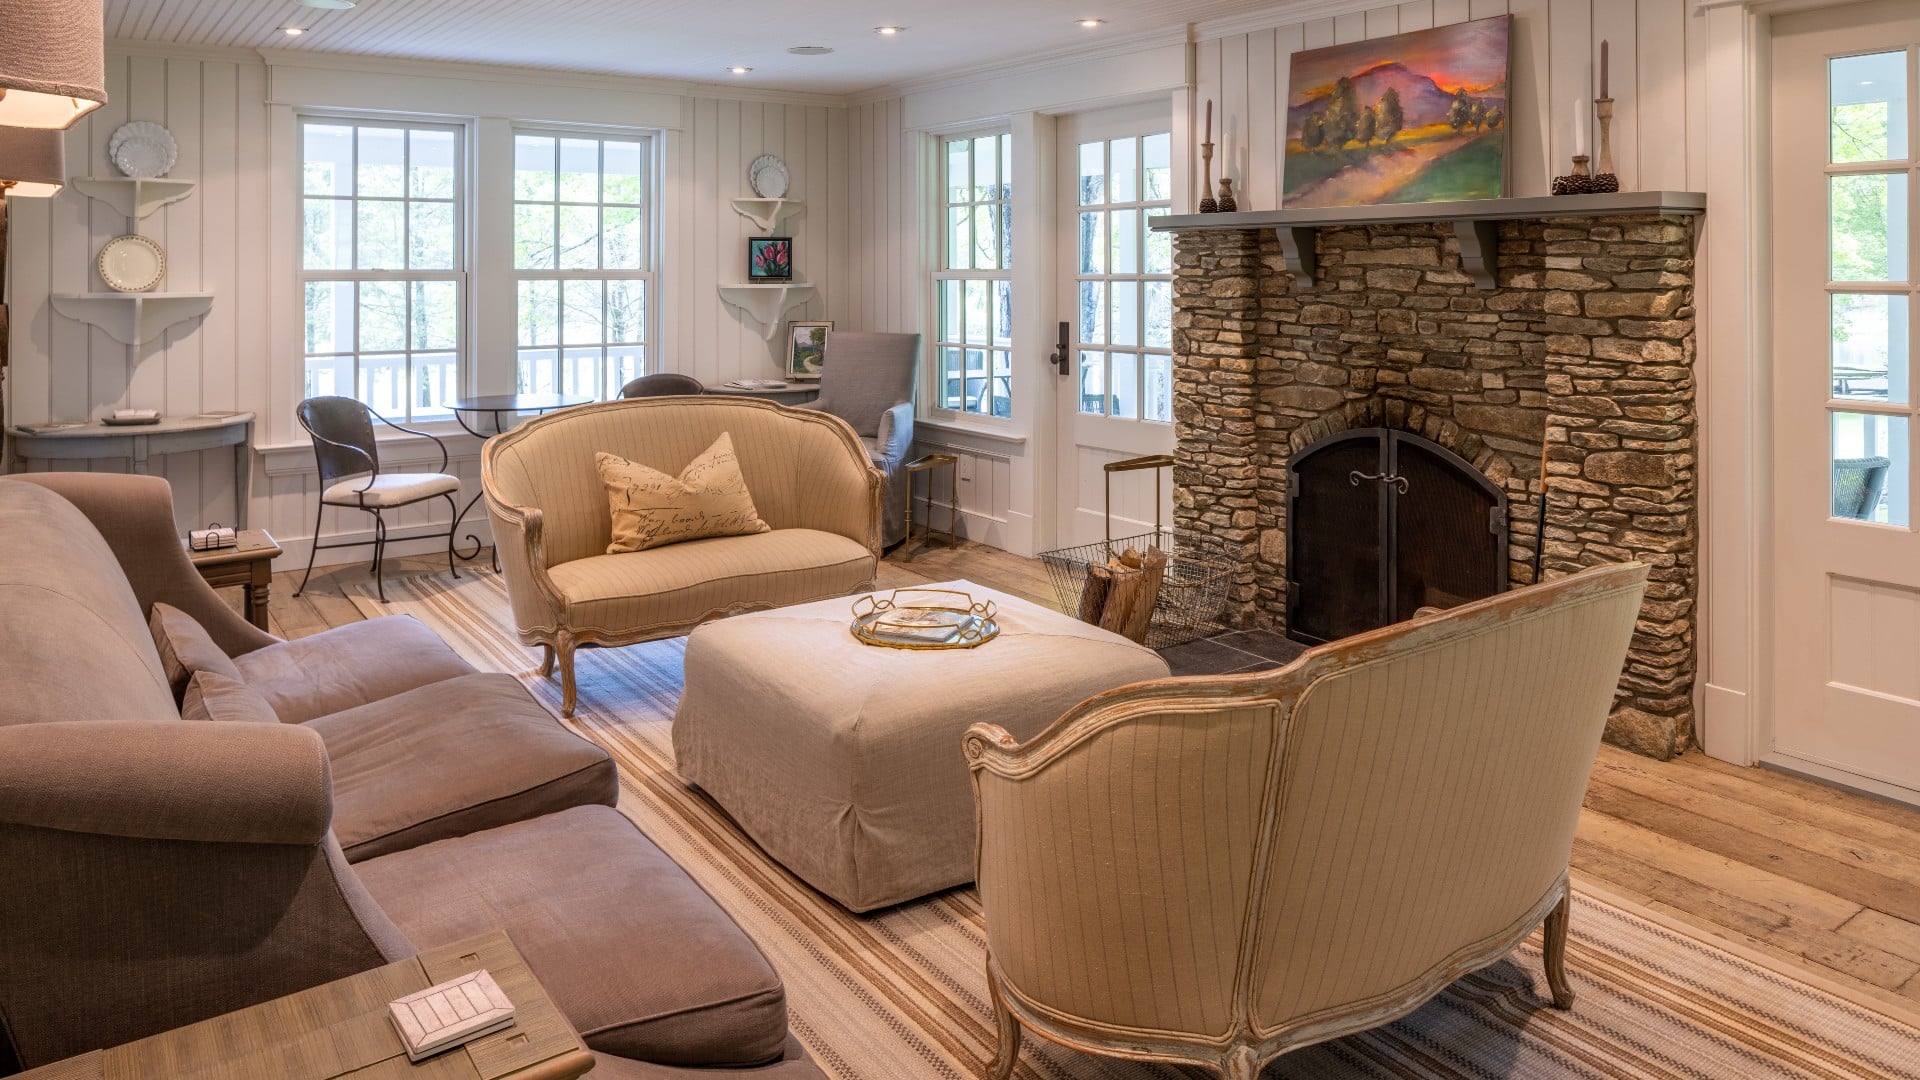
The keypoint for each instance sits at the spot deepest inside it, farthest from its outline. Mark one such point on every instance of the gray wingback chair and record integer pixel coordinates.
(867, 380)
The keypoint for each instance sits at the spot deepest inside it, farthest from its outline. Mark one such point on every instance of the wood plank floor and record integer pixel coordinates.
(1809, 873)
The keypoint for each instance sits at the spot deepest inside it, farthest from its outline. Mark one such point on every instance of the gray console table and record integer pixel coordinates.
(172, 435)
(793, 393)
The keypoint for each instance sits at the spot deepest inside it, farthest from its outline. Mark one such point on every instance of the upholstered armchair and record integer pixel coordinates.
(867, 380)
(1255, 863)
(809, 476)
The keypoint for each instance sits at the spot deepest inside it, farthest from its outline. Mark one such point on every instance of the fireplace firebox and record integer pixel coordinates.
(1381, 523)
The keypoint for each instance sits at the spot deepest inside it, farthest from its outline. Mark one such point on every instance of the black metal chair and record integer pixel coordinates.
(348, 457)
(662, 384)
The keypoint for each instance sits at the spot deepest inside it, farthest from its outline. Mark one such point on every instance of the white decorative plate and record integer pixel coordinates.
(132, 263)
(142, 149)
(768, 175)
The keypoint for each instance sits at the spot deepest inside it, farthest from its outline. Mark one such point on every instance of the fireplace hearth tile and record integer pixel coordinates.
(1207, 656)
(1263, 643)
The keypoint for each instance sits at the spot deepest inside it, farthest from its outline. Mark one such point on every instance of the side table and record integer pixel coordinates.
(342, 1029)
(927, 463)
(248, 564)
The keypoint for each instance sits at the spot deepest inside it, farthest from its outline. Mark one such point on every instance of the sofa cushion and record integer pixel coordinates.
(636, 955)
(185, 647)
(450, 758)
(682, 584)
(795, 1064)
(348, 666)
(73, 642)
(651, 509)
(213, 696)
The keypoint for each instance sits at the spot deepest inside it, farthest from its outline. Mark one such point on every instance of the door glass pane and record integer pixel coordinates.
(1869, 219)
(1868, 348)
(1867, 96)
(1159, 315)
(1156, 153)
(1126, 385)
(1159, 389)
(1093, 383)
(1124, 327)
(1126, 243)
(1093, 295)
(1124, 172)
(1158, 247)
(1870, 467)
(1093, 174)
(1093, 243)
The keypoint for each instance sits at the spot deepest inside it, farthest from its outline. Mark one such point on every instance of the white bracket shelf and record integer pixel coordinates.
(134, 197)
(133, 318)
(767, 213)
(768, 303)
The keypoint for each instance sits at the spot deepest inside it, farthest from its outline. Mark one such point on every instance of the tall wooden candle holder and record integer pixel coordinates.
(1604, 178)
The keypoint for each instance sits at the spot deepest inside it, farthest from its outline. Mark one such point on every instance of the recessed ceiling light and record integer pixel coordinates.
(1866, 82)
(888, 31)
(810, 50)
(293, 31)
(327, 5)
(737, 69)
(1091, 23)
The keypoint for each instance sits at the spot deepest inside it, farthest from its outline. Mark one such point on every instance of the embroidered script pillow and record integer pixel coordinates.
(651, 509)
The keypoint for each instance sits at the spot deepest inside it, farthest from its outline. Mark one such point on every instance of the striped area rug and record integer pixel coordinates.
(901, 994)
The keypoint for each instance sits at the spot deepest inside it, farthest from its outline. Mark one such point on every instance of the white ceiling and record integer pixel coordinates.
(678, 39)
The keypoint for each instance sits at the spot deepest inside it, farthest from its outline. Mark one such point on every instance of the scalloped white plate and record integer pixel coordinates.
(132, 263)
(142, 149)
(768, 176)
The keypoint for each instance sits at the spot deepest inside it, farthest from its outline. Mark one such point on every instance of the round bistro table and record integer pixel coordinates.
(500, 406)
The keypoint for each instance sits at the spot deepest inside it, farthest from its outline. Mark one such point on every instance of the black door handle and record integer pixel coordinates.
(1060, 358)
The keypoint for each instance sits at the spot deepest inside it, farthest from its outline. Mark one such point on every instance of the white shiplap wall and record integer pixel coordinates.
(216, 106)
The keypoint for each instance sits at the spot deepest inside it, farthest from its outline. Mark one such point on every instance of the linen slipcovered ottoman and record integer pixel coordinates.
(843, 760)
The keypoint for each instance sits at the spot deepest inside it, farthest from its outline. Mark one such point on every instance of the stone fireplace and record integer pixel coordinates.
(1582, 350)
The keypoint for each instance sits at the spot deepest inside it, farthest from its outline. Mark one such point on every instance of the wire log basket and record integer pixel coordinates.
(1193, 588)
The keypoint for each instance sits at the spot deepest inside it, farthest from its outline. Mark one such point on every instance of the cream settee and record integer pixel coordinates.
(809, 475)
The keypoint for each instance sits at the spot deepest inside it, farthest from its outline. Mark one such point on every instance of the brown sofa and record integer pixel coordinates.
(161, 871)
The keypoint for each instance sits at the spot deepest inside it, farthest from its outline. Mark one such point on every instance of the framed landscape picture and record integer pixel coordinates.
(806, 349)
(770, 258)
(1417, 117)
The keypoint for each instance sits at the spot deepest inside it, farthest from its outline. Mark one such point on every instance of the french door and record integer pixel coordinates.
(1115, 297)
(1845, 285)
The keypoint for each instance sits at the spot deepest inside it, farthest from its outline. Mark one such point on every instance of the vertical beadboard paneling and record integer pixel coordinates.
(1569, 78)
(1529, 173)
(1661, 83)
(1259, 184)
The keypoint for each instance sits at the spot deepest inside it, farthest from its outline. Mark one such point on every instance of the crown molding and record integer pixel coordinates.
(1044, 61)
(507, 73)
(1283, 14)
(165, 50)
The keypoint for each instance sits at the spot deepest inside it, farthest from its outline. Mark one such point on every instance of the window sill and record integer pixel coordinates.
(972, 428)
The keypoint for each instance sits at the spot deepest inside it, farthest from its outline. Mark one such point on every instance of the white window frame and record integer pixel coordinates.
(651, 175)
(935, 406)
(461, 272)
(1144, 210)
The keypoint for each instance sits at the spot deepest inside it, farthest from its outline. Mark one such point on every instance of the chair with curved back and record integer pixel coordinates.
(663, 384)
(867, 380)
(348, 457)
(1256, 863)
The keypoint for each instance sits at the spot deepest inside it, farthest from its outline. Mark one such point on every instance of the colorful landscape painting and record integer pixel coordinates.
(1418, 117)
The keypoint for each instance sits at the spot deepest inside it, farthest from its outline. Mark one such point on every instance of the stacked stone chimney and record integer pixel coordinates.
(1585, 350)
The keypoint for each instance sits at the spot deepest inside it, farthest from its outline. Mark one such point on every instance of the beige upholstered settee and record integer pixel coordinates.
(809, 475)
(162, 870)
(1255, 863)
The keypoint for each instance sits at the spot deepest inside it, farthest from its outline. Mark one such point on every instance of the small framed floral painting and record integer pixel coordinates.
(770, 258)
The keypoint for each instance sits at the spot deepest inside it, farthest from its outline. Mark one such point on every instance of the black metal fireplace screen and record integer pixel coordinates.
(1381, 523)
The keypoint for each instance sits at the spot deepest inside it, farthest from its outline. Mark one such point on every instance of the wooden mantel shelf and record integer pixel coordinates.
(1474, 222)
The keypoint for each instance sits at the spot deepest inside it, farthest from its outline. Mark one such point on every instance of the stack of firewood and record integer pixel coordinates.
(1120, 594)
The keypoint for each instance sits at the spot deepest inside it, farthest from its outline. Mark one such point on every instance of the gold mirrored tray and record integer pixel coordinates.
(925, 619)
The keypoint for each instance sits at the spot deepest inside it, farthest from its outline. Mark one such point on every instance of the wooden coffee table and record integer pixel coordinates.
(342, 1028)
(248, 564)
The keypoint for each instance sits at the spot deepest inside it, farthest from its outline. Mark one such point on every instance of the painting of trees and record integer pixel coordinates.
(1393, 116)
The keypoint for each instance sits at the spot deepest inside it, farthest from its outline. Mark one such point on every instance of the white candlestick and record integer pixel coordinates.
(1580, 125)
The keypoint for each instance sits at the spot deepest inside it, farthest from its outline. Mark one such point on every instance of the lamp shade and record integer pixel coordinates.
(53, 67)
(33, 161)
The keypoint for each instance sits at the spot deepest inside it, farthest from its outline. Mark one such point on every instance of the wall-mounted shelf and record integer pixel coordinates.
(767, 213)
(133, 318)
(1475, 222)
(768, 303)
(134, 197)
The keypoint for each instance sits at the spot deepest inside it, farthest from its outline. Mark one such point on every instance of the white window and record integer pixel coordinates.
(383, 263)
(973, 302)
(582, 239)
(1125, 278)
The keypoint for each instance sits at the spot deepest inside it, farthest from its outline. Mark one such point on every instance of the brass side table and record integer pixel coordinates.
(248, 564)
(928, 463)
